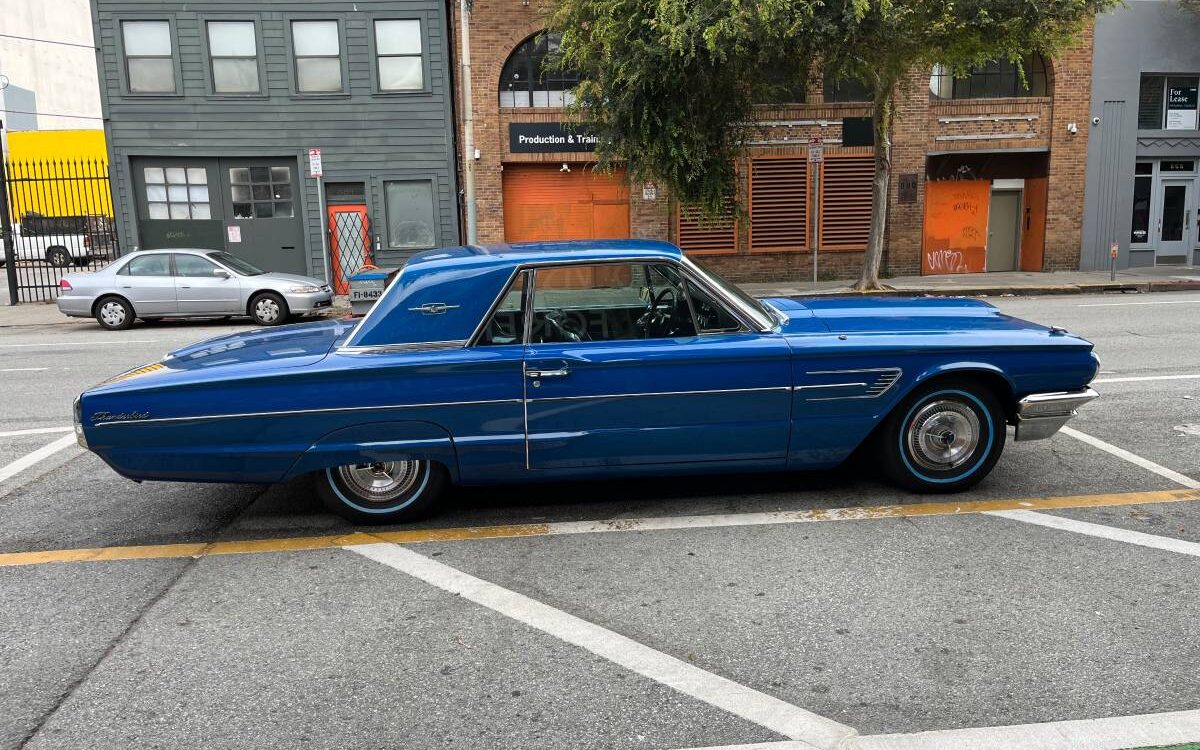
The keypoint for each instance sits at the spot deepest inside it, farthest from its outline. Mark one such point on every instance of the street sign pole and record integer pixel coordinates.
(316, 170)
(1112, 261)
(816, 158)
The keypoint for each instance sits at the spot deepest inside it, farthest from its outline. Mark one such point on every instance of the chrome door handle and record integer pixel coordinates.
(539, 374)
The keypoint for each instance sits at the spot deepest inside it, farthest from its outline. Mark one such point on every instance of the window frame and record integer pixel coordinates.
(422, 19)
(123, 61)
(260, 55)
(175, 266)
(124, 270)
(381, 182)
(293, 68)
(1163, 108)
(941, 73)
(686, 274)
(531, 89)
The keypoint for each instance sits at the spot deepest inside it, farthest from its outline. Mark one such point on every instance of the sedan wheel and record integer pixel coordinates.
(382, 491)
(114, 314)
(945, 437)
(269, 309)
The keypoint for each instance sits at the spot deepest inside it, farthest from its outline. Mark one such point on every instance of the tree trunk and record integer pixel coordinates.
(885, 94)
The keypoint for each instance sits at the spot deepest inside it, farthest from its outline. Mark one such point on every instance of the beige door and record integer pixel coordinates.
(1004, 218)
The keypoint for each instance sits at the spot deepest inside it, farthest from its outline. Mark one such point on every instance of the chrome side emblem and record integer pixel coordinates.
(433, 308)
(101, 417)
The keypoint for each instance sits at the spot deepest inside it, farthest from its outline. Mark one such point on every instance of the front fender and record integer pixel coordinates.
(379, 441)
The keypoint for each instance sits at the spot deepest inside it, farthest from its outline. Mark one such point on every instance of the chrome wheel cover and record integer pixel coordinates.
(382, 482)
(112, 313)
(266, 310)
(943, 435)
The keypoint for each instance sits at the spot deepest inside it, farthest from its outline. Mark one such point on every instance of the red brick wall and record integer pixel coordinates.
(919, 129)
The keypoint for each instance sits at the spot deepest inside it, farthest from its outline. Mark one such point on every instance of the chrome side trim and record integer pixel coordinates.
(661, 393)
(291, 412)
(420, 346)
(830, 385)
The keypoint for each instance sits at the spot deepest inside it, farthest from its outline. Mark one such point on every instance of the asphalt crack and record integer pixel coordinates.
(222, 527)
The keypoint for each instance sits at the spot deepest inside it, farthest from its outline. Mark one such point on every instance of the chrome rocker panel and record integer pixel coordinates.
(1040, 415)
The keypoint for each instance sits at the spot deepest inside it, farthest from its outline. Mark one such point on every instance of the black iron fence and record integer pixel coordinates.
(56, 218)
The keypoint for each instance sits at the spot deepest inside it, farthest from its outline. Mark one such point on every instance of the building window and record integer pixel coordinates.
(261, 192)
(1143, 184)
(398, 55)
(177, 193)
(527, 80)
(233, 53)
(317, 47)
(1168, 102)
(149, 65)
(997, 79)
(411, 219)
(846, 90)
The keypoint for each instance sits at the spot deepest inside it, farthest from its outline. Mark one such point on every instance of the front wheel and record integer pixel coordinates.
(945, 437)
(383, 491)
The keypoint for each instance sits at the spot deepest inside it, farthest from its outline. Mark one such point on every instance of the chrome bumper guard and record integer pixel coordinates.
(1040, 415)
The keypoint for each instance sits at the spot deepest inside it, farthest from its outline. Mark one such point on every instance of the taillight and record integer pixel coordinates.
(65, 286)
(87, 240)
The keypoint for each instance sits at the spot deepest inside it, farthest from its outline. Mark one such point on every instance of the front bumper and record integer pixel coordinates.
(302, 304)
(1040, 415)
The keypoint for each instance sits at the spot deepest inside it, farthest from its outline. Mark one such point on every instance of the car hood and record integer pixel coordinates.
(288, 279)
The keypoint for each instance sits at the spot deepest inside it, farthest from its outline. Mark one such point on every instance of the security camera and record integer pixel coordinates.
(1095, 120)
(476, 154)
(1072, 128)
(565, 167)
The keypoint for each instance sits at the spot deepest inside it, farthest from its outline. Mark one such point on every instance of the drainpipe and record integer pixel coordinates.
(468, 124)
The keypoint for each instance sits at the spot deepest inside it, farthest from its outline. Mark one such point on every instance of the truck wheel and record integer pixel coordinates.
(382, 492)
(945, 437)
(58, 257)
(114, 314)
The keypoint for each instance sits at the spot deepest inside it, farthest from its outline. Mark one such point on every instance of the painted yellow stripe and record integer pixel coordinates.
(417, 536)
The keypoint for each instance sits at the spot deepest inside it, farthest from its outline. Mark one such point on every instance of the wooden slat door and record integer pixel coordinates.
(541, 202)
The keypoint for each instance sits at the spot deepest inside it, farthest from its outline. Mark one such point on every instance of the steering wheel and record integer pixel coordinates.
(657, 322)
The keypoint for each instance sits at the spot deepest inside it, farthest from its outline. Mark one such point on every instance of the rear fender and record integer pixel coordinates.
(379, 441)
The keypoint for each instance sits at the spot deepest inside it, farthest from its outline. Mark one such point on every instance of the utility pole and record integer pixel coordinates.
(464, 7)
(10, 252)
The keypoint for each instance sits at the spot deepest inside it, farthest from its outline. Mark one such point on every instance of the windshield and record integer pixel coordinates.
(237, 264)
(751, 306)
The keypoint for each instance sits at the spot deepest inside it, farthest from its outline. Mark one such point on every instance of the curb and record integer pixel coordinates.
(1143, 287)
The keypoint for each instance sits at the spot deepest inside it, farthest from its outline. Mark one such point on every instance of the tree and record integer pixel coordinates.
(670, 86)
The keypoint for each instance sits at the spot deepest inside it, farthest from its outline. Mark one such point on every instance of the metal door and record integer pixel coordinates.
(1174, 221)
(1004, 235)
(263, 222)
(177, 203)
(349, 243)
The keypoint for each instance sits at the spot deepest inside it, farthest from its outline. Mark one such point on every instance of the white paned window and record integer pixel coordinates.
(177, 193)
(318, 57)
(149, 64)
(233, 57)
(398, 55)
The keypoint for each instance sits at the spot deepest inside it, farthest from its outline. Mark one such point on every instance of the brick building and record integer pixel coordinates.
(976, 161)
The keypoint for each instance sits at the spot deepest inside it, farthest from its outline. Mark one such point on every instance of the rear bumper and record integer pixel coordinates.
(75, 307)
(1040, 415)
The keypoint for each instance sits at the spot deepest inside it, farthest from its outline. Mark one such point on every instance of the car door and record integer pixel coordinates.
(204, 287)
(619, 373)
(146, 281)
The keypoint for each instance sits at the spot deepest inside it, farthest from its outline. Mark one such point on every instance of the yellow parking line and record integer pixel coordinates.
(417, 536)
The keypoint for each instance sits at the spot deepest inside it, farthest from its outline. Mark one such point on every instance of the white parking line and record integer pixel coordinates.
(24, 369)
(36, 431)
(1146, 378)
(1130, 304)
(1133, 458)
(24, 462)
(762, 709)
(1169, 544)
(114, 342)
(1116, 733)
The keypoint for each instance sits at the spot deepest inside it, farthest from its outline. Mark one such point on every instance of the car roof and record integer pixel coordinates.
(199, 250)
(518, 253)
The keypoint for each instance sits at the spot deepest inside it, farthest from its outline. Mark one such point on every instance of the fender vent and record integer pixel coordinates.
(835, 385)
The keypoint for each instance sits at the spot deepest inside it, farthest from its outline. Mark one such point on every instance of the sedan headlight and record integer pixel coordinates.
(304, 290)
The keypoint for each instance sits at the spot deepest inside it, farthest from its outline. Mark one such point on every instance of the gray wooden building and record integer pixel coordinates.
(211, 109)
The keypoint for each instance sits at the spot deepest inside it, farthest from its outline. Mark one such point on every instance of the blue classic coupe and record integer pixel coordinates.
(517, 363)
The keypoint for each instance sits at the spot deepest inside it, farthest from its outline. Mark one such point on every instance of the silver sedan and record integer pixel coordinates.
(185, 283)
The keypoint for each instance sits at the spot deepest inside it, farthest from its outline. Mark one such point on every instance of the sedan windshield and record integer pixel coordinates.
(237, 264)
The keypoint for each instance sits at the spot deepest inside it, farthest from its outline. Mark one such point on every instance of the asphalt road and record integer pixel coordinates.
(725, 630)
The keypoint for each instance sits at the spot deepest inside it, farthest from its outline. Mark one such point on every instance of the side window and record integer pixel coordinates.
(149, 265)
(609, 302)
(711, 315)
(190, 265)
(507, 324)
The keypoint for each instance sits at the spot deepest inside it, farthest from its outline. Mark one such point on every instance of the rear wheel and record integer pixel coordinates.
(268, 309)
(383, 491)
(58, 257)
(114, 314)
(945, 437)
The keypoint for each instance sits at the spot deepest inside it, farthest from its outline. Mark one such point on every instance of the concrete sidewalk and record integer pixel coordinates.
(1017, 283)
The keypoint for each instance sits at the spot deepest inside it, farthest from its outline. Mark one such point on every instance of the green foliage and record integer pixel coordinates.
(671, 85)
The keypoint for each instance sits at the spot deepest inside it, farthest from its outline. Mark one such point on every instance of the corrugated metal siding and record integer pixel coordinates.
(846, 201)
(705, 235)
(364, 136)
(1112, 139)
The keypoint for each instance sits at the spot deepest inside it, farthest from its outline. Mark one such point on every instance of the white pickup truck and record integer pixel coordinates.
(61, 241)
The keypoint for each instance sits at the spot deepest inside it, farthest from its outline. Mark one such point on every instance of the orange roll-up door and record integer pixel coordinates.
(541, 202)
